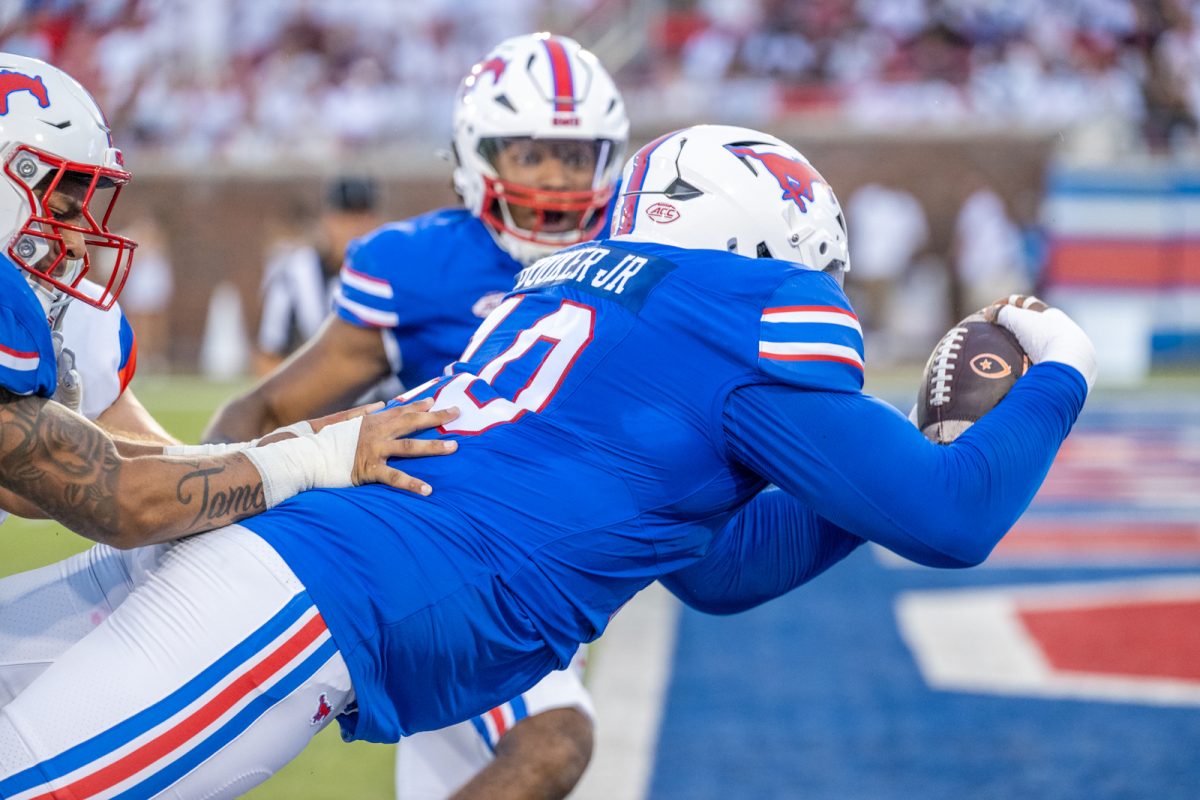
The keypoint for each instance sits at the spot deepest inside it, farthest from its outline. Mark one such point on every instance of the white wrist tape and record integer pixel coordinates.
(301, 428)
(224, 448)
(323, 460)
(202, 450)
(1051, 335)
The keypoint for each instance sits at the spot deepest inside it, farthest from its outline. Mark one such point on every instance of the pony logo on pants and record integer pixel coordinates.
(323, 710)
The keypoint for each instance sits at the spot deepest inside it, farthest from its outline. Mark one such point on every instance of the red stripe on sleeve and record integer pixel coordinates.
(822, 309)
(809, 357)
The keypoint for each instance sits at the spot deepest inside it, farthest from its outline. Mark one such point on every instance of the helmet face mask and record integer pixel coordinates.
(519, 201)
(60, 177)
(65, 237)
(539, 134)
(719, 187)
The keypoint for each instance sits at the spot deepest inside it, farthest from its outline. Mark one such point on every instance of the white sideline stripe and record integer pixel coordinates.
(628, 673)
(1117, 216)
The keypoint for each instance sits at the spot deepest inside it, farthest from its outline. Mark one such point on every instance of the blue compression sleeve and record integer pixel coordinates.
(770, 547)
(860, 464)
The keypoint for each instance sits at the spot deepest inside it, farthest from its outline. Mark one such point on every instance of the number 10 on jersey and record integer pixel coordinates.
(500, 393)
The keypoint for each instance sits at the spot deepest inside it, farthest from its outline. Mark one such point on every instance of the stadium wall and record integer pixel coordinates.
(217, 222)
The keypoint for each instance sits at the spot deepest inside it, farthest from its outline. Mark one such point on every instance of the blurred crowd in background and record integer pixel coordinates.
(310, 78)
(261, 92)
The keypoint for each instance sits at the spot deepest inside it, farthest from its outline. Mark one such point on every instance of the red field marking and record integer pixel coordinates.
(1142, 638)
(1083, 540)
(1145, 263)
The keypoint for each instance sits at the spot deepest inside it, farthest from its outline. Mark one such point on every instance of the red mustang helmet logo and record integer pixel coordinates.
(20, 82)
(796, 178)
(493, 65)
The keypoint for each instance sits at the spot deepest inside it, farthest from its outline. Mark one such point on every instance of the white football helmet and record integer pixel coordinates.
(546, 88)
(54, 139)
(718, 187)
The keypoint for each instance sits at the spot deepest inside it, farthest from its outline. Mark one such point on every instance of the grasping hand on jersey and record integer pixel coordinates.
(384, 435)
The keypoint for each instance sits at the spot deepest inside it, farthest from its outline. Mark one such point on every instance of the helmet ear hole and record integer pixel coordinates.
(762, 251)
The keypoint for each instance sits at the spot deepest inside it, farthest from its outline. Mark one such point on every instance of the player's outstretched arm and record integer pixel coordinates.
(860, 464)
(770, 546)
(334, 368)
(72, 470)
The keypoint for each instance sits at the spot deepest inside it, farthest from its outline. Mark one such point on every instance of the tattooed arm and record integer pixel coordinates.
(72, 470)
(134, 431)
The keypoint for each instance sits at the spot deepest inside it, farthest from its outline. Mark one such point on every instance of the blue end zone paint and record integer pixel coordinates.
(815, 696)
(1126, 183)
(1175, 348)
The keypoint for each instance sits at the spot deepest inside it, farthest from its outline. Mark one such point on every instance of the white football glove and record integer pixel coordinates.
(69, 390)
(1047, 334)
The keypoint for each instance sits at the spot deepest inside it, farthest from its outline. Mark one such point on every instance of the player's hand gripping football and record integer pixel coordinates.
(1045, 333)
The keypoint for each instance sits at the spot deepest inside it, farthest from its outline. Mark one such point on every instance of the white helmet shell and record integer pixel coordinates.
(537, 86)
(719, 187)
(50, 130)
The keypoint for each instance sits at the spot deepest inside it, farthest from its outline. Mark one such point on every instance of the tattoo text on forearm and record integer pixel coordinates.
(234, 502)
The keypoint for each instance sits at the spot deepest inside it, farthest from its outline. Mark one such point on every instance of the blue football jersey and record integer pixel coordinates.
(618, 408)
(427, 282)
(27, 364)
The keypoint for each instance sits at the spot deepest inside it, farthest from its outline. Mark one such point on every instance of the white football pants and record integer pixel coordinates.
(212, 673)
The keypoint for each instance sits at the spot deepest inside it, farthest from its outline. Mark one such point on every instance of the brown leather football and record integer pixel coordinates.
(969, 372)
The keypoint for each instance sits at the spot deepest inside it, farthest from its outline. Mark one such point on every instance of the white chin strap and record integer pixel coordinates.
(54, 301)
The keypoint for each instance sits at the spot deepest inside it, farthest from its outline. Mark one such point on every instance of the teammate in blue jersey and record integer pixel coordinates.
(620, 411)
(539, 134)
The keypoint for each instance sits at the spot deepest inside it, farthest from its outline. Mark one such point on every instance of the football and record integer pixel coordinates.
(969, 372)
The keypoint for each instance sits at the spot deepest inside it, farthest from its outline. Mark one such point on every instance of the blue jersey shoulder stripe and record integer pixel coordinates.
(365, 296)
(364, 315)
(367, 284)
(813, 332)
(809, 335)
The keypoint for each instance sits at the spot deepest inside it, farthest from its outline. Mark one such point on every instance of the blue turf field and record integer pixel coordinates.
(819, 695)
